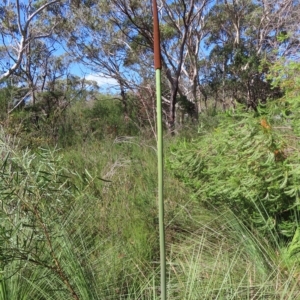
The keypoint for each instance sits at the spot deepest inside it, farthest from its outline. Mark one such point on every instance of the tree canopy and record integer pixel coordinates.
(217, 50)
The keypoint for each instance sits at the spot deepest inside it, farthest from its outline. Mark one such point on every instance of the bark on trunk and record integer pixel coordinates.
(172, 111)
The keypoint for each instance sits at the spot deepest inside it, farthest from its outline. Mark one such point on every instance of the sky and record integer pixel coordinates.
(105, 83)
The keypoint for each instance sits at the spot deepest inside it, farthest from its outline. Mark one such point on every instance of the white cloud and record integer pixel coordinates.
(102, 81)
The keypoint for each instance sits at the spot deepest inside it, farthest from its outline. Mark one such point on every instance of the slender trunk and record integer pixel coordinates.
(205, 101)
(223, 88)
(28, 73)
(232, 101)
(172, 111)
(249, 100)
(124, 102)
(194, 93)
(216, 101)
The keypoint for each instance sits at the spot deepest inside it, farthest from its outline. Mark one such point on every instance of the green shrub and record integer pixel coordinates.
(250, 163)
(96, 120)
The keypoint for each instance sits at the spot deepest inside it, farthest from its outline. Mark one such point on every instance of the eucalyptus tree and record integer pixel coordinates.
(244, 35)
(96, 40)
(36, 64)
(22, 23)
(115, 39)
(186, 20)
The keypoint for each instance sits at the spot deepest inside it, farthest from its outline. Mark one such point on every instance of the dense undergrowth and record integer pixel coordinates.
(79, 220)
(81, 223)
(250, 163)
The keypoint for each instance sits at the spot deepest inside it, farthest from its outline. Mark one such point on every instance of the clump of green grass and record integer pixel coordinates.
(87, 221)
(224, 260)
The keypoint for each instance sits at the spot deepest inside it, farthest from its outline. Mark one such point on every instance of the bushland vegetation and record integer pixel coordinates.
(78, 177)
(79, 211)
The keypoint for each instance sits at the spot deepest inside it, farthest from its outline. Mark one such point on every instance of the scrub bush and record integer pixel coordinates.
(249, 163)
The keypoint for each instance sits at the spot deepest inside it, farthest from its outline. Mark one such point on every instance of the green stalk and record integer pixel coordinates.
(160, 185)
(157, 65)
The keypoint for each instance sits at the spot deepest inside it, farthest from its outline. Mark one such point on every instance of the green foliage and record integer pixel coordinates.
(51, 123)
(80, 224)
(167, 31)
(186, 105)
(5, 97)
(249, 163)
(286, 74)
(35, 198)
(84, 220)
(97, 120)
(283, 36)
(32, 128)
(10, 96)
